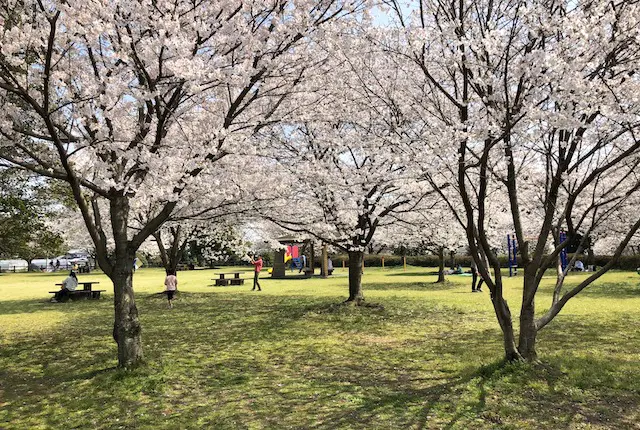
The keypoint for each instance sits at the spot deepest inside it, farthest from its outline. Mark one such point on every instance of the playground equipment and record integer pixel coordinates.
(512, 246)
(292, 252)
(287, 255)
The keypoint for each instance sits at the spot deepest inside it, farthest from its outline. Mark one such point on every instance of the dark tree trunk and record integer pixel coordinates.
(504, 319)
(528, 333)
(503, 314)
(164, 257)
(440, 265)
(591, 258)
(356, 259)
(174, 260)
(126, 326)
(452, 260)
(172, 257)
(528, 329)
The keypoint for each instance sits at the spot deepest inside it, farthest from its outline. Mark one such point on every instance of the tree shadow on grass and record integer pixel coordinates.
(630, 288)
(409, 274)
(30, 306)
(9, 307)
(497, 394)
(238, 361)
(620, 290)
(411, 286)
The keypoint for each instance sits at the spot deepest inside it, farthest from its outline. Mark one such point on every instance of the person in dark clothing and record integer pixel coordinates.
(475, 274)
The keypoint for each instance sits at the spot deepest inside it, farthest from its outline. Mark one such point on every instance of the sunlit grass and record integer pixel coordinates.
(290, 357)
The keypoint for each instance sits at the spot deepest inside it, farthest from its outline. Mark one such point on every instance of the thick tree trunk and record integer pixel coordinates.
(356, 259)
(126, 326)
(440, 265)
(528, 329)
(503, 314)
(504, 319)
(528, 333)
(174, 260)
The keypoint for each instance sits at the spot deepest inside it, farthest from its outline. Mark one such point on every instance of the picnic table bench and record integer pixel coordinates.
(87, 291)
(224, 281)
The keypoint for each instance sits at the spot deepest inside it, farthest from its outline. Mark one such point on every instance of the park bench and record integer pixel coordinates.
(87, 291)
(224, 281)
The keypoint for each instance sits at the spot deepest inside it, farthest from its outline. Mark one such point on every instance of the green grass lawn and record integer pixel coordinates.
(289, 357)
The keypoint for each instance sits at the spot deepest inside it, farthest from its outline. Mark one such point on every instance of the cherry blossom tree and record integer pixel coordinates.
(133, 100)
(219, 200)
(539, 102)
(345, 159)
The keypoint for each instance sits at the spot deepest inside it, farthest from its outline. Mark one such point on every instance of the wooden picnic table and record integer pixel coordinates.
(224, 281)
(86, 285)
(87, 291)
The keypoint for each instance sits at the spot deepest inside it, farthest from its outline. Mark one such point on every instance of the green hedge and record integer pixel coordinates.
(626, 262)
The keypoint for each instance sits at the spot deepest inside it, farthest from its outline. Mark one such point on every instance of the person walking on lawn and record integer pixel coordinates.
(171, 285)
(257, 264)
(475, 274)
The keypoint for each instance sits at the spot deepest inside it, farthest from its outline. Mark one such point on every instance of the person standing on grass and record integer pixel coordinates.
(68, 285)
(475, 274)
(257, 264)
(303, 263)
(171, 285)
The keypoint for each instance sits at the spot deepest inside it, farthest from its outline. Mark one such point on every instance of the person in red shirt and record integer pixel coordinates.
(257, 264)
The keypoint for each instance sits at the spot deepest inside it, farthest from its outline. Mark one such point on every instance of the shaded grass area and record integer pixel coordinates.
(291, 357)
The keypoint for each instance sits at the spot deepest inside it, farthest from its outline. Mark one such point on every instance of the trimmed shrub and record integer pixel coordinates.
(625, 262)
